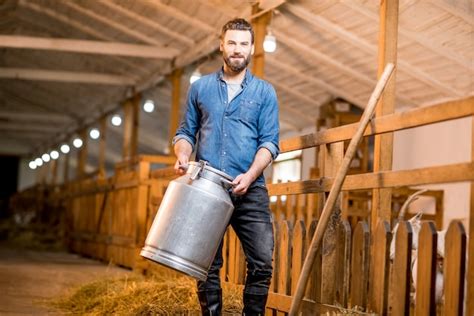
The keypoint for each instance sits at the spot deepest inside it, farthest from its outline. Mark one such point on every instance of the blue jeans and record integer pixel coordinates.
(252, 222)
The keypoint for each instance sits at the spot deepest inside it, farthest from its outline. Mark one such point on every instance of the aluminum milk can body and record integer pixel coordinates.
(191, 221)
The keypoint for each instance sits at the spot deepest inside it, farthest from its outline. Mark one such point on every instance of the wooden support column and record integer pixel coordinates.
(102, 145)
(54, 171)
(82, 155)
(259, 24)
(175, 104)
(66, 169)
(127, 129)
(383, 146)
(470, 268)
(135, 124)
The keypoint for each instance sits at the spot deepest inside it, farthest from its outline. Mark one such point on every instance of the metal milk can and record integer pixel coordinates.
(191, 221)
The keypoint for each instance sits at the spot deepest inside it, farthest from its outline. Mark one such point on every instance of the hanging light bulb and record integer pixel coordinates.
(65, 148)
(77, 143)
(32, 165)
(54, 154)
(39, 162)
(196, 75)
(148, 106)
(116, 120)
(269, 43)
(45, 157)
(94, 133)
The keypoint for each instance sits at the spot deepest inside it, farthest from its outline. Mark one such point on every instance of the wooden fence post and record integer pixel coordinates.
(426, 271)
(360, 265)
(401, 271)
(285, 241)
(379, 267)
(454, 269)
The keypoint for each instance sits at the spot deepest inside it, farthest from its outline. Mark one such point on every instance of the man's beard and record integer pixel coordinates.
(236, 65)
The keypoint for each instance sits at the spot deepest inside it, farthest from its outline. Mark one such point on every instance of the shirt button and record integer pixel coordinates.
(225, 135)
(223, 153)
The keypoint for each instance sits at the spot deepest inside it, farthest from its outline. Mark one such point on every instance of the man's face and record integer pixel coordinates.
(236, 48)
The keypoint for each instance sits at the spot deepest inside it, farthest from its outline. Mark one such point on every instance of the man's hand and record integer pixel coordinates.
(182, 150)
(242, 183)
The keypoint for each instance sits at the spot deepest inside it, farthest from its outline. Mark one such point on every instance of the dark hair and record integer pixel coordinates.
(237, 24)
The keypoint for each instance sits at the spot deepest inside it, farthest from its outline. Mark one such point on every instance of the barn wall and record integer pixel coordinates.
(438, 144)
(26, 176)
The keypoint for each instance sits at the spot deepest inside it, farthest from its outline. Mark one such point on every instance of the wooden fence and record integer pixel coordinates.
(109, 218)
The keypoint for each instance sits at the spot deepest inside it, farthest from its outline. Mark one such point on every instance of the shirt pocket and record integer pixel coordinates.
(249, 111)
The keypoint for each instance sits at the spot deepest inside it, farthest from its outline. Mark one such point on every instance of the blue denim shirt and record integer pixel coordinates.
(230, 134)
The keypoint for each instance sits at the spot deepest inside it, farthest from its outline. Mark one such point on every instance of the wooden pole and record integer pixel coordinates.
(383, 144)
(259, 24)
(175, 104)
(336, 188)
(102, 145)
(135, 124)
(66, 169)
(127, 129)
(470, 268)
(82, 155)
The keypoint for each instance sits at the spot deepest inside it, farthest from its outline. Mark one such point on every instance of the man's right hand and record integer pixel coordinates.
(182, 150)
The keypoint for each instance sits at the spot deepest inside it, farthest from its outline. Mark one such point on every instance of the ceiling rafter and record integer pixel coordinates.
(112, 24)
(12, 96)
(302, 97)
(438, 49)
(35, 116)
(132, 15)
(64, 76)
(179, 15)
(294, 44)
(88, 47)
(318, 82)
(79, 26)
(346, 36)
(454, 11)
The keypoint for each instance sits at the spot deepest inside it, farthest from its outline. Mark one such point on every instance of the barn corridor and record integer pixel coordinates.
(28, 278)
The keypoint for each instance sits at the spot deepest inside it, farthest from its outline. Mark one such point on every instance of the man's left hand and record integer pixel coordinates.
(242, 183)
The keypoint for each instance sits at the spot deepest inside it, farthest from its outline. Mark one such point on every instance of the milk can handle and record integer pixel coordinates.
(225, 181)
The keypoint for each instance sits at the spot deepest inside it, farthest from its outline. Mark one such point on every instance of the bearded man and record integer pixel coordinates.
(236, 116)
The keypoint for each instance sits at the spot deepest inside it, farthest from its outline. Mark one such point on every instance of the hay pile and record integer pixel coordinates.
(161, 294)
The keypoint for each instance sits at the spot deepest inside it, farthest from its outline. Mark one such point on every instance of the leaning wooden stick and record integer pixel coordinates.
(336, 188)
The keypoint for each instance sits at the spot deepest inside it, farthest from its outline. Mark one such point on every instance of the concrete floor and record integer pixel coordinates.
(28, 278)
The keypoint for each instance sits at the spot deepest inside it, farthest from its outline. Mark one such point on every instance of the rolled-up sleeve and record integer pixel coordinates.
(268, 124)
(189, 125)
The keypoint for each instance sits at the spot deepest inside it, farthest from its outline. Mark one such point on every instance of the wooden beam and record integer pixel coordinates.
(37, 128)
(136, 99)
(414, 36)
(35, 116)
(470, 263)
(127, 129)
(383, 144)
(316, 81)
(78, 25)
(460, 172)
(260, 30)
(390, 123)
(88, 47)
(102, 145)
(318, 56)
(465, 15)
(181, 16)
(64, 76)
(175, 104)
(359, 43)
(82, 154)
(149, 23)
(66, 168)
(110, 23)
